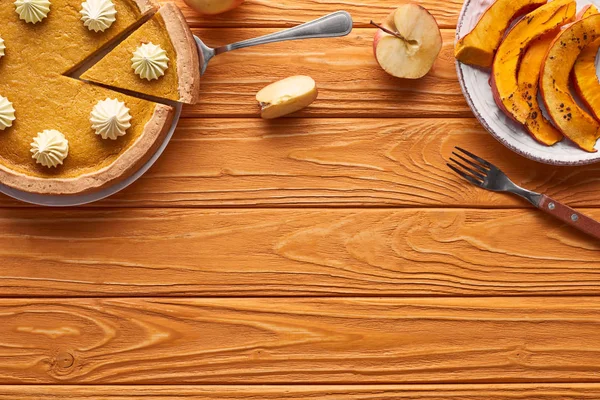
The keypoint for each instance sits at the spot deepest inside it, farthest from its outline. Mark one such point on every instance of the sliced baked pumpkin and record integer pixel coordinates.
(536, 124)
(585, 79)
(587, 11)
(515, 100)
(569, 118)
(479, 46)
(173, 74)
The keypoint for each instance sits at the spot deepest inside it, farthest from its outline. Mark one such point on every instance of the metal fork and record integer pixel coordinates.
(485, 175)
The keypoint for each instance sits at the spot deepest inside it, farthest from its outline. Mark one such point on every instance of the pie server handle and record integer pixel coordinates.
(336, 24)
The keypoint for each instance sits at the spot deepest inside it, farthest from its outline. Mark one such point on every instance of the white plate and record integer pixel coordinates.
(69, 201)
(477, 91)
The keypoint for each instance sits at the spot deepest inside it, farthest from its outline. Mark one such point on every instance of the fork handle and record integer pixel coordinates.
(570, 216)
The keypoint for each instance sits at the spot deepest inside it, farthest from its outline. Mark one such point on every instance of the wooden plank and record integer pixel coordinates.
(288, 13)
(337, 162)
(293, 252)
(299, 392)
(340, 162)
(310, 341)
(350, 82)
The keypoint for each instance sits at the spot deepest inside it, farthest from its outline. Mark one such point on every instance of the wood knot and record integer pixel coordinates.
(65, 360)
(520, 356)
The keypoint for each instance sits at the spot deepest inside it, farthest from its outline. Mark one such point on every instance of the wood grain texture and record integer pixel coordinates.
(350, 82)
(299, 392)
(288, 13)
(338, 162)
(172, 252)
(310, 341)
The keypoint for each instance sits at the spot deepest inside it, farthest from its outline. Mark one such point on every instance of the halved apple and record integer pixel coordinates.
(408, 43)
(286, 96)
(479, 46)
(585, 79)
(528, 79)
(570, 119)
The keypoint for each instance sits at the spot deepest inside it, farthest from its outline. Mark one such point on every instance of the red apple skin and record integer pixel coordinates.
(376, 40)
(202, 6)
(380, 34)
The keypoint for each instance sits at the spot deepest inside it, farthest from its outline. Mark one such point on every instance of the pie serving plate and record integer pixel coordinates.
(476, 89)
(78, 200)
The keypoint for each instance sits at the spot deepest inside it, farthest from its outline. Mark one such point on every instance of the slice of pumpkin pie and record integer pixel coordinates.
(159, 59)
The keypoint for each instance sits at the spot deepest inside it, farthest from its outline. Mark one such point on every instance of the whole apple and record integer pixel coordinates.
(212, 7)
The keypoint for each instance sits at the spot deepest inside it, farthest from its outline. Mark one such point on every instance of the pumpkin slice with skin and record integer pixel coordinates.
(566, 114)
(586, 11)
(479, 46)
(509, 96)
(585, 80)
(536, 124)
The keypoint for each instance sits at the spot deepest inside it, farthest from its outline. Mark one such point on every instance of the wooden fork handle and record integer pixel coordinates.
(570, 216)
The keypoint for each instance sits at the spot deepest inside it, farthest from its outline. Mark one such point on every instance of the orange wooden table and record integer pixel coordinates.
(327, 256)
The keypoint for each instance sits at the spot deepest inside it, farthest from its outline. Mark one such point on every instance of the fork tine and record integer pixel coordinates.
(465, 176)
(478, 166)
(473, 156)
(476, 174)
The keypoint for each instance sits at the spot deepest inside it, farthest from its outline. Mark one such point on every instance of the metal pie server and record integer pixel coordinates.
(336, 24)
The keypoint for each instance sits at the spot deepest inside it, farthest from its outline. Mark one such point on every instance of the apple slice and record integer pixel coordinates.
(479, 46)
(408, 42)
(287, 96)
(508, 95)
(566, 114)
(212, 7)
(585, 79)
(528, 79)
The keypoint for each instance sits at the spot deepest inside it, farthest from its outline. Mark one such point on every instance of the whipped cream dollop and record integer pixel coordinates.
(50, 148)
(2, 47)
(150, 61)
(32, 11)
(110, 119)
(7, 113)
(98, 15)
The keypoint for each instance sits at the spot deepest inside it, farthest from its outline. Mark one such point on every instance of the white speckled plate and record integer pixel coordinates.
(477, 91)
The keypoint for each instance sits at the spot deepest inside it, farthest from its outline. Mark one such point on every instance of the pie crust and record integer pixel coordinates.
(89, 173)
(127, 163)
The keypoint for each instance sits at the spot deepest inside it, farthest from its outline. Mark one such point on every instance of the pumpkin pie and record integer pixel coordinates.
(167, 30)
(64, 136)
